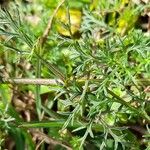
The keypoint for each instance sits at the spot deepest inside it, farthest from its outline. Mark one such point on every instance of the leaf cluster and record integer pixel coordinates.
(101, 100)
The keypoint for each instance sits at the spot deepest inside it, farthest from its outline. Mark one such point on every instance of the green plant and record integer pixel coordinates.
(99, 96)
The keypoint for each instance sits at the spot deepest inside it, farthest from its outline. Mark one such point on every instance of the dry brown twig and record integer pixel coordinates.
(40, 81)
(37, 81)
(45, 138)
(49, 25)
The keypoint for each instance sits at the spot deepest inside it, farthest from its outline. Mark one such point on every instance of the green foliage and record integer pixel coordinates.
(101, 100)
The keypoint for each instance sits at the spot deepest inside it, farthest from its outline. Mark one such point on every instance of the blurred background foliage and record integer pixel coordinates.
(100, 49)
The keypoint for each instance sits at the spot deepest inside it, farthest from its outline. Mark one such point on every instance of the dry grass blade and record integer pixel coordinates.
(49, 25)
(36, 81)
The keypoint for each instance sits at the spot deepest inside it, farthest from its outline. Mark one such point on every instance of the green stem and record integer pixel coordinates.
(118, 99)
(38, 75)
(52, 68)
(58, 124)
(82, 98)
